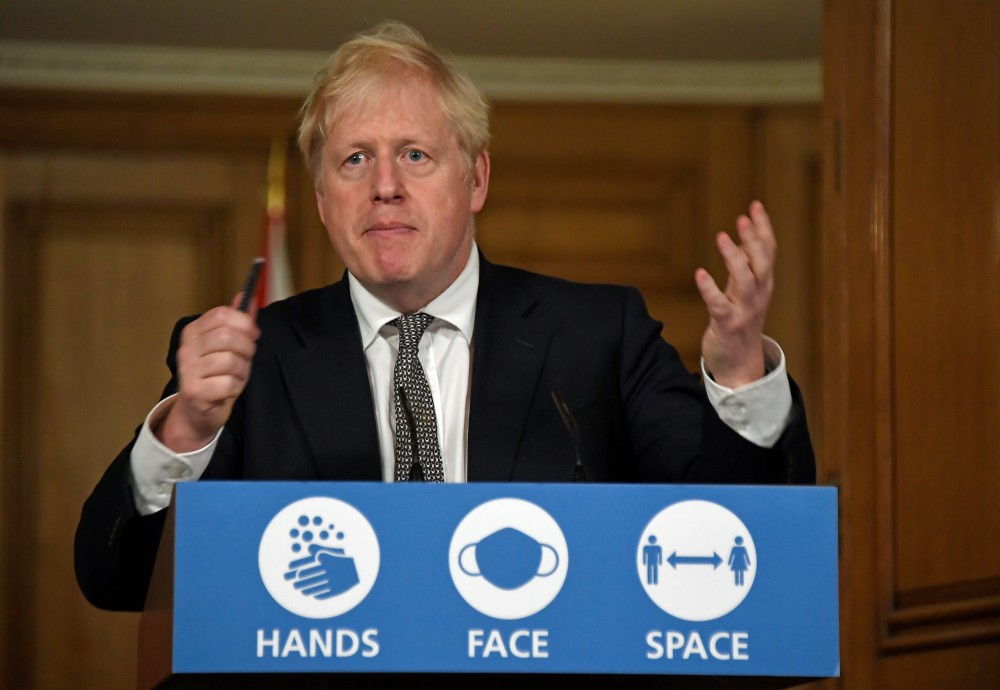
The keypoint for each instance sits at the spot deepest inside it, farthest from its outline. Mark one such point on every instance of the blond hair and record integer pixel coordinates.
(358, 67)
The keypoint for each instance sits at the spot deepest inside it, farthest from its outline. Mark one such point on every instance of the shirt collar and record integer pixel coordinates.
(456, 305)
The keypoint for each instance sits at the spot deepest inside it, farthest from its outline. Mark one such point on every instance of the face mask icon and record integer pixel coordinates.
(508, 559)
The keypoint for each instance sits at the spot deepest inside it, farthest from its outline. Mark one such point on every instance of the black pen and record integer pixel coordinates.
(250, 287)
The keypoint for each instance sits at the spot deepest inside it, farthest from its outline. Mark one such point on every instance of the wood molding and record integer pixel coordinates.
(848, 321)
(160, 70)
(884, 367)
(33, 117)
(19, 483)
(948, 621)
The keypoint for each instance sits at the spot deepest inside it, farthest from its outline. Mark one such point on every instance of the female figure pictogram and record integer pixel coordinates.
(739, 561)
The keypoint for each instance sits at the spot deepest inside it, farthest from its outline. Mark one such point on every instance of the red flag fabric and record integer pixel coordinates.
(276, 279)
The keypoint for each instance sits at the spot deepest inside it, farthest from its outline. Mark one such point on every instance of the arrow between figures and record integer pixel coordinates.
(714, 560)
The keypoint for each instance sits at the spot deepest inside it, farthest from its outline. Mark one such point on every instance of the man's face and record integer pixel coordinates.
(396, 195)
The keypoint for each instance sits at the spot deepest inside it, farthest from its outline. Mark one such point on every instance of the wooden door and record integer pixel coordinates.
(911, 241)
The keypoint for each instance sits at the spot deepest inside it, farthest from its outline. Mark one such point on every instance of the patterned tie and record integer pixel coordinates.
(414, 406)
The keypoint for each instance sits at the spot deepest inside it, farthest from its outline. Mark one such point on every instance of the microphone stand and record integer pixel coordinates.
(579, 472)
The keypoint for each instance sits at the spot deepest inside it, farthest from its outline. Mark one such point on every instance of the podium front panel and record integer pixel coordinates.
(307, 577)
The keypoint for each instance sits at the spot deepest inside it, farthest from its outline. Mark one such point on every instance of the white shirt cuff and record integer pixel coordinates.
(758, 411)
(156, 468)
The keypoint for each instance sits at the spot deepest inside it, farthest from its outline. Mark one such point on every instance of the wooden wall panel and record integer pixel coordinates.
(102, 252)
(946, 295)
(86, 343)
(628, 194)
(641, 228)
(167, 262)
(788, 171)
(636, 194)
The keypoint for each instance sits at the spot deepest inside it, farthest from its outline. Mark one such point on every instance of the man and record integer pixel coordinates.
(328, 384)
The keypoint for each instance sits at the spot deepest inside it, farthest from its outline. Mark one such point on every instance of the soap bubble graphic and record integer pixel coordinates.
(327, 571)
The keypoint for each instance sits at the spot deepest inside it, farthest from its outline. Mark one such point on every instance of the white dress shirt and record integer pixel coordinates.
(445, 354)
(758, 411)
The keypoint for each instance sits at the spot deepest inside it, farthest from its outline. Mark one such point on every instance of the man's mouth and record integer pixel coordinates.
(389, 228)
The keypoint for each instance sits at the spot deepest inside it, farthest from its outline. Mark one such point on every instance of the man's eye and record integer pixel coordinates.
(415, 156)
(355, 159)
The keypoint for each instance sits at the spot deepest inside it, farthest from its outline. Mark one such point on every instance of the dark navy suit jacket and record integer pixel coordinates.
(307, 411)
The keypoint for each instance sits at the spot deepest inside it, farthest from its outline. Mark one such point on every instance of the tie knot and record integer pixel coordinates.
(411, 328)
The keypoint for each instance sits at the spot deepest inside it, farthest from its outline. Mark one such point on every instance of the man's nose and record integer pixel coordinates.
(387, 186)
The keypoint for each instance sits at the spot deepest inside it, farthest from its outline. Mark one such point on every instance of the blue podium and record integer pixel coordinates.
(311, 584)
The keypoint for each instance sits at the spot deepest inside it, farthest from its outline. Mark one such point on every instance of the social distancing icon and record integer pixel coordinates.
(696, 560)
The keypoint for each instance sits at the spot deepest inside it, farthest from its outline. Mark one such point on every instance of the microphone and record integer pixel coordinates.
(579, 472)
(416, 473)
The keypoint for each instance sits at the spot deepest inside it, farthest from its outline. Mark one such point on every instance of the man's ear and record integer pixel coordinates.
(319, 204)
(480, 181)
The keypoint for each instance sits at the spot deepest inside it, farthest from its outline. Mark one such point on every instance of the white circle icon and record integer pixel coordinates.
(696, 560)
(508, 558)
(319, 557)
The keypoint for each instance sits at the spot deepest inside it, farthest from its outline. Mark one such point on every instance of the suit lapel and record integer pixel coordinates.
(509, 351)
(327, 381)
